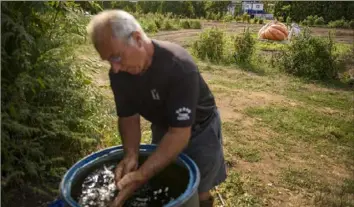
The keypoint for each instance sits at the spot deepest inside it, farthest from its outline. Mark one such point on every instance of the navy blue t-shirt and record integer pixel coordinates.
(171, 93)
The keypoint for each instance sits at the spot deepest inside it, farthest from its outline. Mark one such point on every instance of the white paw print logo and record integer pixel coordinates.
(183, 114)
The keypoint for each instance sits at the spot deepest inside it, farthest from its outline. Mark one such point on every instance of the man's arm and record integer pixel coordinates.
(171, 145)
(129, 129)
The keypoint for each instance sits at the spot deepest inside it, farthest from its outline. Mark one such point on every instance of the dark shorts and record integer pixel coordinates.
(206, 149)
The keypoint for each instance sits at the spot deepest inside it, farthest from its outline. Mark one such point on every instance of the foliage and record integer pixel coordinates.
(153, 23)
(189, 9)
(260, 21)
(244, 47)
(228, 18)
(210, 45)
(246, 18)
(329, 10)
(339, 24)
(310, 57)
(319, 21)
(185, 24)
(51, 113)
(195, 24)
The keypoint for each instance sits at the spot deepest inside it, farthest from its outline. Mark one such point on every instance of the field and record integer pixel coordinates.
(287, 109)
(287, 142)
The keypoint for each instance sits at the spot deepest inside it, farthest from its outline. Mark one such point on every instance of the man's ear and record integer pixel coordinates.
(136, 35)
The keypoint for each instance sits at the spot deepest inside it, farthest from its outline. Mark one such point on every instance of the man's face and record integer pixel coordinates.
(122, 56)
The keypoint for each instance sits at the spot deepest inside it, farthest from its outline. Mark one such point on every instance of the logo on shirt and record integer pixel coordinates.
(183, 114)
(155, 94)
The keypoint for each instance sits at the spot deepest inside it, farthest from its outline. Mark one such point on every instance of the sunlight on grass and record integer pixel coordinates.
(306, 124)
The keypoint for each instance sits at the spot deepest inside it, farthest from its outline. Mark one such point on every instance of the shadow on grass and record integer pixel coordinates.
(250, 67)
(332, 84)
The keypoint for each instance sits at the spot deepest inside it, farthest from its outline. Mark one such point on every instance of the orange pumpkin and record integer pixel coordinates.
(274, 31)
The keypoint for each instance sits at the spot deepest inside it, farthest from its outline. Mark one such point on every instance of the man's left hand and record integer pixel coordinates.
(127, 185)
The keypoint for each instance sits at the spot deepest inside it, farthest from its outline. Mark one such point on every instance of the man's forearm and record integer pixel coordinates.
(129, 129)
(169, 148)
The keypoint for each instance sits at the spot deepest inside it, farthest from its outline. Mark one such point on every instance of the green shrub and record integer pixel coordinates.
(169, 24)
(310, 57)
(319, 21)
(339, 24)
(246, 18)
(288, 20)
(228, 18)
(351, 24)
(238, 18)
(150, 26)
(260, 21)
(210, 45)
(311, 20)
(185, 24)
(244, 45)
(52, 113)
(255, 20)
(304, 23)
(195, 24)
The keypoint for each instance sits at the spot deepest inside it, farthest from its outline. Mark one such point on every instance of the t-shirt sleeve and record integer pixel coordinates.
(182, 100)
(124, 103)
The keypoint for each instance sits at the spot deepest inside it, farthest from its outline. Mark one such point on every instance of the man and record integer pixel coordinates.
(159, 81)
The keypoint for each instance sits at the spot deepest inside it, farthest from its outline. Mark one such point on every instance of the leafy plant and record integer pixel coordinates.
(244, 46)
(339, 24)
(210, 45)
(319, 21)
(51, 113)
(195, 24)
(310, 57)
(185, 24)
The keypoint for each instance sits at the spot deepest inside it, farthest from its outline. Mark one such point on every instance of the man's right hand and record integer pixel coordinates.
(128, 164)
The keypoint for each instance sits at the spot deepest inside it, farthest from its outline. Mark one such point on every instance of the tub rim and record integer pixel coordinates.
(193, 171)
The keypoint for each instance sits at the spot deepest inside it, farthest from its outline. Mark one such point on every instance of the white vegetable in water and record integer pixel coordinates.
(99, 189)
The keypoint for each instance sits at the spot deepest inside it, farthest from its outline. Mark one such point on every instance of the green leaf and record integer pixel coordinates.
(41, 83)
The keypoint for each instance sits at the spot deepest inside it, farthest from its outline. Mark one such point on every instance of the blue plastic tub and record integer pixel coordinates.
(188, 198)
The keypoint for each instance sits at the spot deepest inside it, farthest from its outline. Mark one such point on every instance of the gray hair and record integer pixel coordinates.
(121, 23)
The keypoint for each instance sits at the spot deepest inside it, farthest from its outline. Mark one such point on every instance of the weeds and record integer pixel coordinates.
(210, 45)
(310, 57)
(244, 47)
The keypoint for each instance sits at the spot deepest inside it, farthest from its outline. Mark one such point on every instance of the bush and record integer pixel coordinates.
(150, 26)
(185, 24)
(310, 57)
(195, 24)
(351, 24)
(238, 18)
(319, 21)
(52, 114)
(168, 24)
(210, 45)
(339, 24)
(245, 18)
(311, 20)
(228, 18)
(260, 21)
(244, 47)
(255, 20)
(288, 20)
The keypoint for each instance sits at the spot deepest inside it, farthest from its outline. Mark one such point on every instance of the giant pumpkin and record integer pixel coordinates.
(273, 31)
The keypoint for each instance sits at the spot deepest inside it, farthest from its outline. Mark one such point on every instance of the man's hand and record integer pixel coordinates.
(127, 185)
(125, 166)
